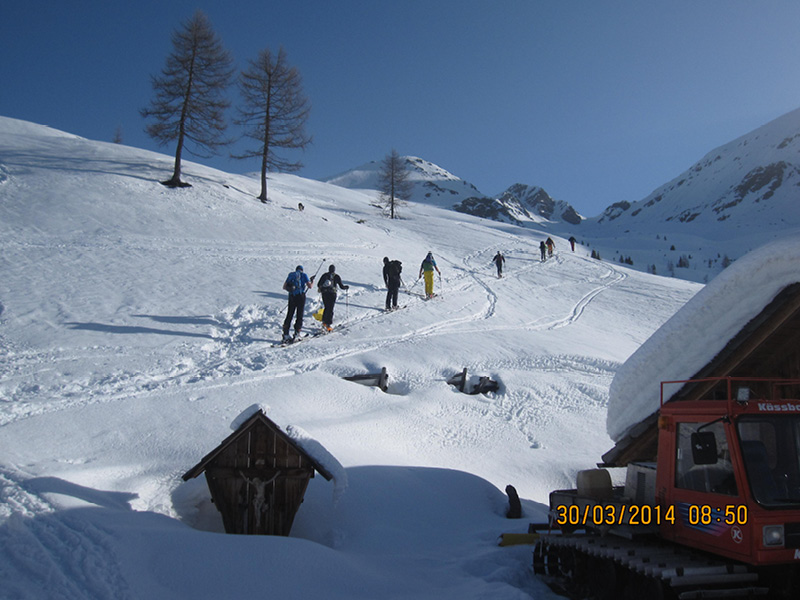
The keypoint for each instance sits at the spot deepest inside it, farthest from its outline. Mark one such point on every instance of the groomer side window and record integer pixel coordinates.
(704, 461)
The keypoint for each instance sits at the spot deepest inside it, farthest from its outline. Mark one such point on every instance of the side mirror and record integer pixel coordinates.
(704, 448)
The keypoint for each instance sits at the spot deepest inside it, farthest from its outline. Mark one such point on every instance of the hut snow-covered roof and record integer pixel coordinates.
(727, 314)
(258, 475)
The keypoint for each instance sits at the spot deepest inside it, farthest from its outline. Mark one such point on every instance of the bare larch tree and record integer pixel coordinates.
(190, 102)
(393, 181)
(273, 114)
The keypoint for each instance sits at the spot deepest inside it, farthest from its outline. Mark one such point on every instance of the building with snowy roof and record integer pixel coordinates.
(258, 475)
(744, 324)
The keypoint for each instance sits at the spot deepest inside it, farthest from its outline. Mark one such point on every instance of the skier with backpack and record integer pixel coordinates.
(392, 279)
(327, 287)
(543, 250)
(297, 283)
(426, 268)
(499, 260)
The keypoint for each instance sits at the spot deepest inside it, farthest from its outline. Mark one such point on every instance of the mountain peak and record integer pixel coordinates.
(432, 184)
(749, 182)
(536, 200)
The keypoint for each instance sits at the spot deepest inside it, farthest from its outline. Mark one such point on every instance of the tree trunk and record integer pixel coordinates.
(392, 208)
(263, 195)
(175, 181)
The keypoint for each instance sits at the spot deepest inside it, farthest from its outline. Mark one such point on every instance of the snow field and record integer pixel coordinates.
(137, 323)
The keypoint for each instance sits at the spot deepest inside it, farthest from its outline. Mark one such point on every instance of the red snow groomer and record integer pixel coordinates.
(715, 514)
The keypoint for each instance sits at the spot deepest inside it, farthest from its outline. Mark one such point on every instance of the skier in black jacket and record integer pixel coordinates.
(327, 287)
(391, 277)
(499, 260)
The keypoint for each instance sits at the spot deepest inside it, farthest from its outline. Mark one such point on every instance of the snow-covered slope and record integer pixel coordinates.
(750, 183)
(137, 322)
(735, 199)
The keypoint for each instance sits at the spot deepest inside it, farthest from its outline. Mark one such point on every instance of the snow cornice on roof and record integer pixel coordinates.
(702, 329)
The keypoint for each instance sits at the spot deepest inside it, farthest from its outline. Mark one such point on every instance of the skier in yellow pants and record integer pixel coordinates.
(426, 268)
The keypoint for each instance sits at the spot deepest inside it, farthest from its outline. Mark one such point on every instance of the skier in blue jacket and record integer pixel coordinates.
(297, 284)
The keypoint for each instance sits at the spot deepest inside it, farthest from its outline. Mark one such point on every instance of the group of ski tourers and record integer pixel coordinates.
(546, 248)
(298, 283)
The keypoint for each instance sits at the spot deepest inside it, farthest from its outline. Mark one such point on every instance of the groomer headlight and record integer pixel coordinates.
(773, 535)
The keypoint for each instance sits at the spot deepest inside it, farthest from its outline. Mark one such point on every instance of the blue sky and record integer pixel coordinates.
(595, 101)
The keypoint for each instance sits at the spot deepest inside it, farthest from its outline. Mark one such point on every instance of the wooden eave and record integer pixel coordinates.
(208, 458)
(753, 352)
(641, 444)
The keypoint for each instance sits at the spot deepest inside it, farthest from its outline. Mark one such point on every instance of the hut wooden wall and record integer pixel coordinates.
(258, 482)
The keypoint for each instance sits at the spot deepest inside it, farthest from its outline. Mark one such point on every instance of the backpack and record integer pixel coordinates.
(395, 268)
(294, 283)
(327, 285)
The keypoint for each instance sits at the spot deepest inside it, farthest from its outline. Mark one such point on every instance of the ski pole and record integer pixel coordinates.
(320, 266)
(408, 289)
(347, 304)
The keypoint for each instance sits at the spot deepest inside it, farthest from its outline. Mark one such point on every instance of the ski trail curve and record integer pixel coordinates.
(614, 277)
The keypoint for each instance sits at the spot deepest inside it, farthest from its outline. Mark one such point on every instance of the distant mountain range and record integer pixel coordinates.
(736, 198)
(752, 181)
(519, 204)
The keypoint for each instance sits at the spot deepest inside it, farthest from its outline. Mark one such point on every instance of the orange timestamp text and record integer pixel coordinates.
(705, 514)
(597, 515)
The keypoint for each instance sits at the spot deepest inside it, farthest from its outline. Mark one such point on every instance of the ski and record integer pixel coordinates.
(423, 296)
(394, 308)
(324, 331)
(303, 336)
(292, 341)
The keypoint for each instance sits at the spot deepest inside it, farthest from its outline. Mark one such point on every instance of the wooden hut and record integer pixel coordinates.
(768, 346)
(257, 477)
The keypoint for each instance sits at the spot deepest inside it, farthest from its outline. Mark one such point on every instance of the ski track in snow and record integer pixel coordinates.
(611, 278)
(239, 345)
